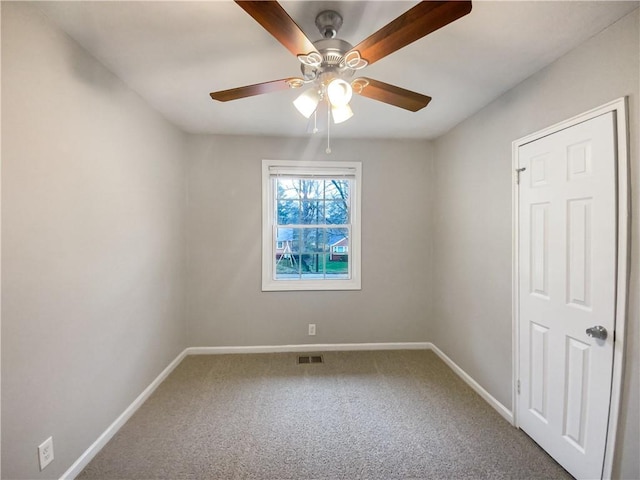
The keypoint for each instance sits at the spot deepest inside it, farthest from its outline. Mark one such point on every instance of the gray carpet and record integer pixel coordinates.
(360, 415)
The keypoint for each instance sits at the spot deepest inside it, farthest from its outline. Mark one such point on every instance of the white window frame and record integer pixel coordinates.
(270, 168)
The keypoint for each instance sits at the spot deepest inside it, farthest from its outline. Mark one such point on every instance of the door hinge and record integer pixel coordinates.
(518, 387)
(518, 171)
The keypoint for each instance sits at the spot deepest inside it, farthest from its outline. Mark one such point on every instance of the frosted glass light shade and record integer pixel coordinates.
(339, 92)
(307, 102)
(341, 114)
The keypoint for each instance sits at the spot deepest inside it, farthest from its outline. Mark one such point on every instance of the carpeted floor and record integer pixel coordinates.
(360, 415)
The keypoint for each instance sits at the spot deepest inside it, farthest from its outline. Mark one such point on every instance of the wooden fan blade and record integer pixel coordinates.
(424, 18)
(384, 92)
(278, 23)
(257, 89)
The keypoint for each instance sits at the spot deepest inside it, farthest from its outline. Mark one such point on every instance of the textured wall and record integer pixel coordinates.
(473, 226)
(92, 192)
(225, 303)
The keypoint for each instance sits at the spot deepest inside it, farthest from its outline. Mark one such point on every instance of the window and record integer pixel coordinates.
(311, 225)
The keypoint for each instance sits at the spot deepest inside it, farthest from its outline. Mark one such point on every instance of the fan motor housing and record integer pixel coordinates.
(332, 51)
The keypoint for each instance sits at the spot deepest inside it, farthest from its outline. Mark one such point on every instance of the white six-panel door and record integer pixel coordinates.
(567, 284)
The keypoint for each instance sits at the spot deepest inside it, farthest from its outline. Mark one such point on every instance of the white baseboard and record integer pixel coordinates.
(102, 440)
(112, 429)
(312, 347)
(490, 399)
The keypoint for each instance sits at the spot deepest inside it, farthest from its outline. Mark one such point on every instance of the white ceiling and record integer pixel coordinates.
(173, 53)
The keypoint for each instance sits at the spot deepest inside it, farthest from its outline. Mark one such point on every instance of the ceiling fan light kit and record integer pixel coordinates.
(341, 114)
(307, 102)
(328, 64)
(339, 92)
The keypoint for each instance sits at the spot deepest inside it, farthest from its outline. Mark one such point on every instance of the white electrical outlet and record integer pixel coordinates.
(312, 329)
(45, 452)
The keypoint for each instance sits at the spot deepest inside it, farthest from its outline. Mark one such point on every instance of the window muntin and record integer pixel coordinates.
(309, 208)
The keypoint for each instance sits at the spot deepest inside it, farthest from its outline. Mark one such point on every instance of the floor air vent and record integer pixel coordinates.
(307, 359)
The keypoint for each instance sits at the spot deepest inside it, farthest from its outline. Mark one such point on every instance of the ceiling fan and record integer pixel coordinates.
(329, 64)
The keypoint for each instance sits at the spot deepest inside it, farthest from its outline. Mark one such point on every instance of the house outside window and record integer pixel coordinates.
(339, 250)
(311, 225)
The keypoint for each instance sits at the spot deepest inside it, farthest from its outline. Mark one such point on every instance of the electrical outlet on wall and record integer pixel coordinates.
(45, 452)
(312, 329)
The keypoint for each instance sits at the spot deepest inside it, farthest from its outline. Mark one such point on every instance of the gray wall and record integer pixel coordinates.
(225, 303)
(92, 300)
(472, 293)
(95, 231)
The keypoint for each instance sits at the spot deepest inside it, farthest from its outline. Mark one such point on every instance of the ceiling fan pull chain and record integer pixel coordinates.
(328, 150)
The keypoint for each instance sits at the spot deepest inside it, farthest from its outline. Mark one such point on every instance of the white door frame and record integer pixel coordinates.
(619, 107)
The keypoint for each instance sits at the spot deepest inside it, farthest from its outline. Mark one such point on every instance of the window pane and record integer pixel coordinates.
(287, 260)
(310, 189)
(312, 212)
(338, 236)
(337, 212)
(314, 240)
(312, 265)
(287, 267)
(337, 189)
(288, 188)
(297, 240)
(288, 212)
(338, 258)
(337, 266)
(290, 238)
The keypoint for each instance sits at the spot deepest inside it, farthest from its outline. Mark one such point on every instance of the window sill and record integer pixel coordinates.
(309, 285)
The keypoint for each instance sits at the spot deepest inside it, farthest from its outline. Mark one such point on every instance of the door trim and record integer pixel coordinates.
(620, 110)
